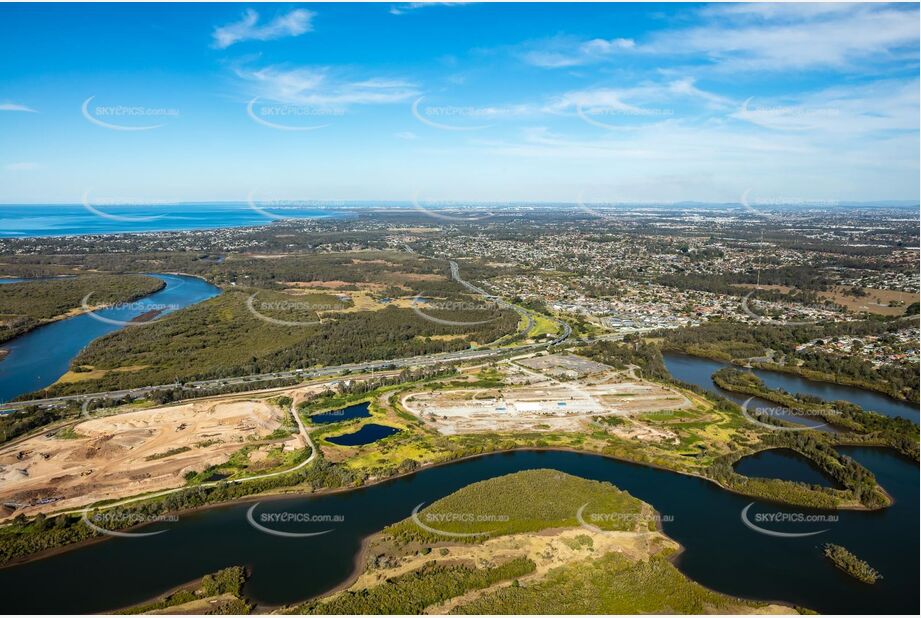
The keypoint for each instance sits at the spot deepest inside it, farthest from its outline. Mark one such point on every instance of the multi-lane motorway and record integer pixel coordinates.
(414, 361)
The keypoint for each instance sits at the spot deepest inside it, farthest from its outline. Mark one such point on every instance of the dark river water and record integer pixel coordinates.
(698, 371)
(359, 410)
(721, 552)
(785, 464)
(372, 432)
(38, 358)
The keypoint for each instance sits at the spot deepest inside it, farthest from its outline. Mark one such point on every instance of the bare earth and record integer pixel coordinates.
(536, 401)
(548, 549)
(128, 454)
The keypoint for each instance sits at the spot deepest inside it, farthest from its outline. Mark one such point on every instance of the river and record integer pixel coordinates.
(720, 551)
(694, 370)
(38, 358)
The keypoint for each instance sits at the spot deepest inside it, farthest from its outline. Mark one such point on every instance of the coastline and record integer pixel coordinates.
(319, 213)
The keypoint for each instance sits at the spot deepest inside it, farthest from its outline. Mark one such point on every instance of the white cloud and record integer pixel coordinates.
(795, 36)
(649, 99)
(400, 9)
(295, 23)
(881, 107)
(324, 86)
(563, 52)
(16, 107)
(21, 166)
(745, 37)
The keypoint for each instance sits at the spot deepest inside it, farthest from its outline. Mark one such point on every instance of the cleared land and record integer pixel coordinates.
(880, 302)
(132, 453)
(536, 401)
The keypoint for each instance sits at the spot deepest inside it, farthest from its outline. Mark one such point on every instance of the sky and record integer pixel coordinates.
(459, 102)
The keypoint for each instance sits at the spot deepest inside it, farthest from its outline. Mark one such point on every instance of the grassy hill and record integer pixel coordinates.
(540, 559)
(527, 501)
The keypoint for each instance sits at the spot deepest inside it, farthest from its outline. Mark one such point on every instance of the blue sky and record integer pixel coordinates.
(459, 102)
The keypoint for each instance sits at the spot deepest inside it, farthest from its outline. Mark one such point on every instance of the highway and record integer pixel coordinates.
(414, 361)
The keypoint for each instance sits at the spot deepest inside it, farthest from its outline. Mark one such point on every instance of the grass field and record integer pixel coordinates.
(523, 502)
(543, 562)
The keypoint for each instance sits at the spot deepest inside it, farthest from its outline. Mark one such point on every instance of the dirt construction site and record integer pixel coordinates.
(533, 399)
(108, 457)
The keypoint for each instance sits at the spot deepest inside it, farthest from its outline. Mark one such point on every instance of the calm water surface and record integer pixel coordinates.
(359, 410)
(38, 358)
(36, 220)
(785, 464)
(372, 432)
(699, 371)
(720, 552)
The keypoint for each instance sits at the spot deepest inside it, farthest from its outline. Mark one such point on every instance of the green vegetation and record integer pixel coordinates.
(863, 427)
(224, 583)
(413, 592)
(168, 453)
(851, 564)
(727, 341)
(632, 352)
(220, 338)
(522, 502)
(21, 422)
(67, 433)
(24, 306)
(611, 584)
(24, 537)
(859, 484)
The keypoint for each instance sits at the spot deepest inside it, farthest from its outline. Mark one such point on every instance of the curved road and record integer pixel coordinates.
(413, 361)
(430, 359)
(305, 435)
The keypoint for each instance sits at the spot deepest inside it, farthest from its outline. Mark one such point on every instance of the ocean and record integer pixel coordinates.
(37, 220)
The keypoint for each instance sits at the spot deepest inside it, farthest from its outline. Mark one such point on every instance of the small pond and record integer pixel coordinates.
(369, 433)
(359, 410)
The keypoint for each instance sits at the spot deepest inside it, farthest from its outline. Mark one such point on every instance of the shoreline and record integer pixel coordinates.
(361, 557)
(783, 369)
(77, 311)
(326, 214)
(282, 495)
